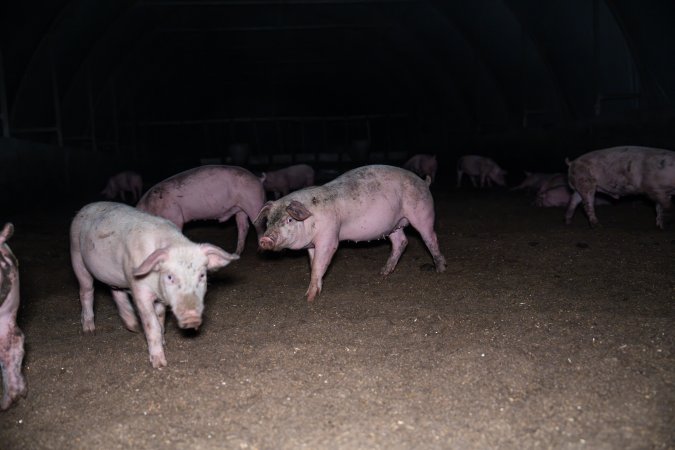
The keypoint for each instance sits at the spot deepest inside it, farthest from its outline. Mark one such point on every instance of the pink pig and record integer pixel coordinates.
(370, 202)
(620, 171)
(283, 181)
(207, 192)
(422, 165)
(11, 337)
(148, 257)
(121, 183)
(480, 167)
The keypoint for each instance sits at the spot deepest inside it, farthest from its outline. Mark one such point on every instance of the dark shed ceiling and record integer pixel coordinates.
(481, 65)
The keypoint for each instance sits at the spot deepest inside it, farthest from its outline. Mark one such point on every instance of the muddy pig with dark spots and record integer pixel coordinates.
(282, 181)
(205, 193)
(148, 257)
(422, 165)
(620, 171)
(370, 202)
(11, 337)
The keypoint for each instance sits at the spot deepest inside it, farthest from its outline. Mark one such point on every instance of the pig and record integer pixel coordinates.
(121, 183)
(533, 181)
(207, 192)
(370, 202)
(148, 257)
(11, 337)
(422, 165)
(553, 197)
(620, 171)
(480, 167)
(283, 181)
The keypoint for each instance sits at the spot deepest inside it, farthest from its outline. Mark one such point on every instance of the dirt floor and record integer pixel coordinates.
(539, 335)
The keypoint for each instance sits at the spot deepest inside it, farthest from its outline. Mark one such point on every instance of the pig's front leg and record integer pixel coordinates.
(242, 229)
(320, 257)
(153, 329)
(125, 310)
(160, 310)
(11, 355)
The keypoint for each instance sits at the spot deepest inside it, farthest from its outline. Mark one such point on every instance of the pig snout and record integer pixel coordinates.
(266, 243)
(190, 319)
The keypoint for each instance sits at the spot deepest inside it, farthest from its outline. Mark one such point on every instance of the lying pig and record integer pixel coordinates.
(207, 192)
(367, 203)
(534, 181)
(480, 168)
(11, 337)
(283, 181)
(148, 257)
(422, 165)
(620, 171)
(121, 183)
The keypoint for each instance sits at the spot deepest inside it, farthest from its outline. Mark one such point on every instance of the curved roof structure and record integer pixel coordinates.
(91, 72)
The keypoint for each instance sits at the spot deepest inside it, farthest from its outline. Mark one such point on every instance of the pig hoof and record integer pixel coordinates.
(158, 361)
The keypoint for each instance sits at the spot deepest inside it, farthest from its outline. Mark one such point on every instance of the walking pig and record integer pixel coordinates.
(121, 183)
(11, 337)
(147, 256)
(370, 202)
(207, 192)
(620, 171)
(480, 168)
(422, 165)
(283, 181)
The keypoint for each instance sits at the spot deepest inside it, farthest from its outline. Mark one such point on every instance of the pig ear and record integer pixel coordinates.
(7, 232)
(217, 257)
(298, 211)
(151, 262)
(262, 214)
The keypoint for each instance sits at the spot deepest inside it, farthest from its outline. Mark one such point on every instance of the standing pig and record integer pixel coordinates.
(479, 167)
(283, 181)
(207, 192)
(121, 183)
(366, 203)
(147, 256)
(11, 337)
(533, 181)
(422, 165)
(620, 171)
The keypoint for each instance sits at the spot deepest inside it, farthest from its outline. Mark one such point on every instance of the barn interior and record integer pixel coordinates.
(546, 321)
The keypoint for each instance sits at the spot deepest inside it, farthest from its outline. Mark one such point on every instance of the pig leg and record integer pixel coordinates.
(575, 199)
(423, 222)
(160, 310)
(663, 208)
(11, 355)
(86, 282)
(474, 180)
(320, 258)
(398, 245)
(126, 310)
(242, 230)
(153, 330)
(588, 201)
(459, 178)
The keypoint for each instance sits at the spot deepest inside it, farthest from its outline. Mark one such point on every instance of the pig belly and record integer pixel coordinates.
(372, 226)
(204, 206)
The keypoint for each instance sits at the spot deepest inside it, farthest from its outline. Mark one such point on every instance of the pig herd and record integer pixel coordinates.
(149, 265)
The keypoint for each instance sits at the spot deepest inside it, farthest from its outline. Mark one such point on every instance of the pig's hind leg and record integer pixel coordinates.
(664, 208)
(11, 355)
(425, 228)
(242, 230)
(398, 244)
(86, 282)
(126, 310)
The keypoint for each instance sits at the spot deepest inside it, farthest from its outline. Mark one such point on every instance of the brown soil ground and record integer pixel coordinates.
(539, 335)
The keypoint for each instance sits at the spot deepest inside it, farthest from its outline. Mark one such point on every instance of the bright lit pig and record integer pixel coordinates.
(207, 192)
(11, 337)
(118, 185)
(370, 202)
(423, 165)
(283, 181)
(480, 168)
(148, 257)
(620, 171)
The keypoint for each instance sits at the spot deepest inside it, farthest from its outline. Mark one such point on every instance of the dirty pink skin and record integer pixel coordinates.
(207, 192)
(620, 171)
(118, 185)
(370, 202)
(423, 165)
(11, 337)
(480, 168)
(148, 257)
(283, 181)
(533, 181)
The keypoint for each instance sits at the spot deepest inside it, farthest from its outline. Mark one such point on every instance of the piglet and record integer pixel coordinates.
(283, 181)
(207, 192)
(11, 337)
(148, 257)
(480, 168)
(118, 185)
(370, 202)
(620, 171)
(422, 165)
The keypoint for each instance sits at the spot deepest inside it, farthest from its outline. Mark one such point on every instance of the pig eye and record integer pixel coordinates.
(289, 220)
(170, 278)
(202, 276)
